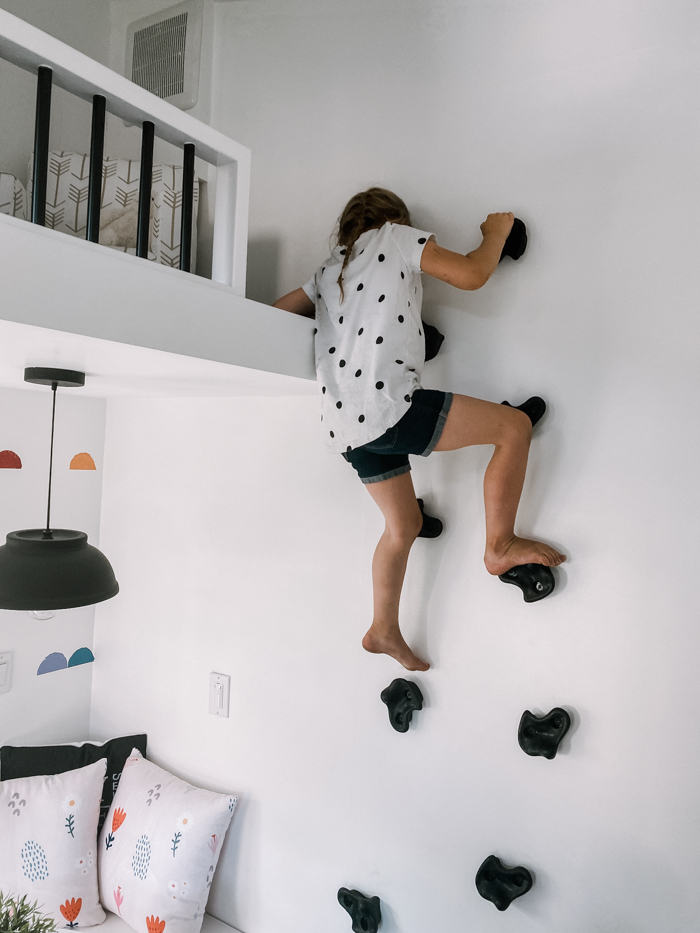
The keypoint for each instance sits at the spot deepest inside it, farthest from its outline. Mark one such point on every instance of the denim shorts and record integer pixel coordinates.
(416, 433)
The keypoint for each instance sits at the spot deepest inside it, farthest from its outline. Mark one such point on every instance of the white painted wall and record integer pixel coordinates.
(82, 24)
(51, 707)
(243, 548)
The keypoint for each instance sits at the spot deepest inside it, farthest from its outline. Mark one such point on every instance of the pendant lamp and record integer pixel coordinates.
(53, 568)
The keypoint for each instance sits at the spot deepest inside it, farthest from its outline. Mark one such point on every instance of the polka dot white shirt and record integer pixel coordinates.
(370, 349)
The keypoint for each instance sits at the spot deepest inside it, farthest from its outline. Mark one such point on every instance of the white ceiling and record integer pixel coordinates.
(117, 369)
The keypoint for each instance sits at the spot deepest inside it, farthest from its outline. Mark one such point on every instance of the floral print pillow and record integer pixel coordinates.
(48, 842)
(159, 847)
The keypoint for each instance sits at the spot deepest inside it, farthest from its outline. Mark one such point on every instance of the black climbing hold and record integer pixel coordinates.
(433, 341)
(366, 912)
(535, 580)
(432, 527)
(501, 885)
(516, 242)
(534, 408)
(402, 697)
(541, 735)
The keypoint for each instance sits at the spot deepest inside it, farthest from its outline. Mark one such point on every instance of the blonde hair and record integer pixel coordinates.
(366, 211)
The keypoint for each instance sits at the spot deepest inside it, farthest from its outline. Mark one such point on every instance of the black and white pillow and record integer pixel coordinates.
(13, 197)
(32, 760)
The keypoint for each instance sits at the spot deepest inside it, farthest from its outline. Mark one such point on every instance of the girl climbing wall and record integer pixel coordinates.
(370, 350)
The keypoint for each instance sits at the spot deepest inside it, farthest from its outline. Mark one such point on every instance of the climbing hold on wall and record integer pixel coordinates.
(541, 735)
(366, 912)
(501, 885)
(402, 697)
(534, 408)
(535, 580)
(516, 242)
(433, 341)
(432, 527)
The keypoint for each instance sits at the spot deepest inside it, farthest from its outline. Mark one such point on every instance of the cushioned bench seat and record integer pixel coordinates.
(114, 924)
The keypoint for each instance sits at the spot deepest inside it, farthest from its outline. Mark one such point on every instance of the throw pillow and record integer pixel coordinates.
(67, 197)
(48, 833)
(27, 761)
(159, 847)
(13, 197)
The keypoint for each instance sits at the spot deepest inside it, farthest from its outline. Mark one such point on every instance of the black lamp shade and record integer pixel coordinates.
(58, 572)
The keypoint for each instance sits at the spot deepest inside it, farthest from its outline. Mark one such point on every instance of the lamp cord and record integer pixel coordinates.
(47, 531)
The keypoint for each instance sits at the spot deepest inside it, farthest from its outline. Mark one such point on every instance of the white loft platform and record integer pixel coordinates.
(136, 327)
(28, 47)
(139, 328)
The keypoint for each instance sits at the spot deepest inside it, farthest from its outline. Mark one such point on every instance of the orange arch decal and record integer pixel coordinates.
(9, 460)
(82, 462)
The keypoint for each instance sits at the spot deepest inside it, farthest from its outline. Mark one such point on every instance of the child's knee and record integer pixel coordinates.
(518, 426)
(405, 529)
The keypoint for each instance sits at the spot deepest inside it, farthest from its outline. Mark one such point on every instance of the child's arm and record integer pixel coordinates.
(298, 302)
(476, 268)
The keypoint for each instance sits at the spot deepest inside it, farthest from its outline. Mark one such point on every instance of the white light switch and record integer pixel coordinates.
(219, 690)
(5, 671)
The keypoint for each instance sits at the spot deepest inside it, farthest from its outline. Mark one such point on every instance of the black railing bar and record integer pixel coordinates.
(41, 144)
(145, 185)
(97, 146)
(187, 206)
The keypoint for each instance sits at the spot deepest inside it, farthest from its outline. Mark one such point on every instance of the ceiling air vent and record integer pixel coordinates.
(163, 52)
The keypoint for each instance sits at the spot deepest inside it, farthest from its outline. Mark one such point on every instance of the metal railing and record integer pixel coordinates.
(58, 64)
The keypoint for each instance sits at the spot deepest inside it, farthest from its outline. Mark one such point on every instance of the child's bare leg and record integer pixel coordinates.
(470, 422)
(397, 500)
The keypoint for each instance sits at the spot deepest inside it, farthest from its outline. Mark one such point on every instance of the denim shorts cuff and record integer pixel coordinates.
(442, 418)
(378, 479)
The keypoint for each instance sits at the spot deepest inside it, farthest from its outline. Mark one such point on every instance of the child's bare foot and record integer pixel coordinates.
(500, 558)
(390, 641)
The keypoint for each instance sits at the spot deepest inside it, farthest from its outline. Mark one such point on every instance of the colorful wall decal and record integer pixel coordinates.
(82, 461)
(81, 656)
(53, 662)
(10, 461)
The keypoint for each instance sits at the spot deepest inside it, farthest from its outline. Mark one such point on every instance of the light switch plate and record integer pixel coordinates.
(219, 692)
(5, 671)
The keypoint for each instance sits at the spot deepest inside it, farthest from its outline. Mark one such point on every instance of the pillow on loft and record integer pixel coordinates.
(13, 197)
(159, 848)
(27, 761)
(48, 832)
(67, 197)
